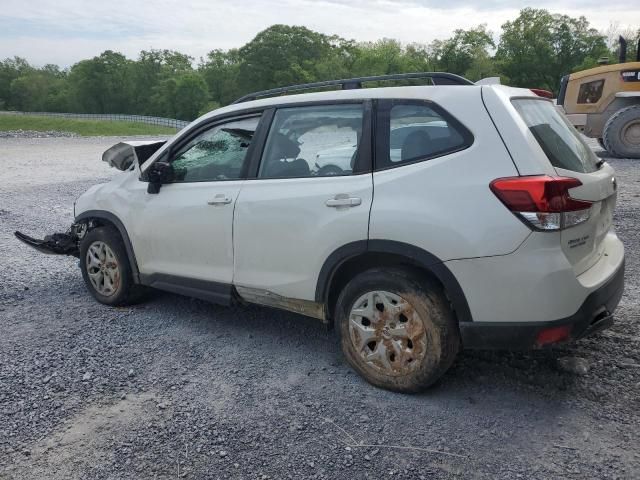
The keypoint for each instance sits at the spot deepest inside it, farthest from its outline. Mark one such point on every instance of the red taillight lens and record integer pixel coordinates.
(542, 201)
(538, 194)
(542, 93)
(553, 335)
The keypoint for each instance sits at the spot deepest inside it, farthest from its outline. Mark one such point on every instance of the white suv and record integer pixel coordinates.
(486, 222)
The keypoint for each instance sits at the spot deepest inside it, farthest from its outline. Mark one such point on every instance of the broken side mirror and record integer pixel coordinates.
(159, 173)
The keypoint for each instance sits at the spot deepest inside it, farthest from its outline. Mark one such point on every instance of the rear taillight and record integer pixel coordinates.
(542, 202)
(552, 335)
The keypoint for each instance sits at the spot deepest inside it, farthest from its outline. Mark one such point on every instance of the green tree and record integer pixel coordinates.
(221, 71)
(466, 51)
(281, 55)
(191, 96)
(383, 57)
(182, 97)
(152, 68)
(43, 89)
(538, 47)
(11, 69)
(102, 84)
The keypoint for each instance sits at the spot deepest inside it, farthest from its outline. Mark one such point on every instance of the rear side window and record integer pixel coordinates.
(418, 132)
(560, 142)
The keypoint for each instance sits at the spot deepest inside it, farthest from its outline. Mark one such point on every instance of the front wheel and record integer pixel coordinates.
(105, 267)
(397, 329)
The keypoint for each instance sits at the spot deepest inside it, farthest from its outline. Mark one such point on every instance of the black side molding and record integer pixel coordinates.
(215, 292)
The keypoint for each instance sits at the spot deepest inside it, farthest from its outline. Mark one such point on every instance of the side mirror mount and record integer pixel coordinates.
(159, 173)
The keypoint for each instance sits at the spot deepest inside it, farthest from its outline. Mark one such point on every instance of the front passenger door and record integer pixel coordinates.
(185, 231)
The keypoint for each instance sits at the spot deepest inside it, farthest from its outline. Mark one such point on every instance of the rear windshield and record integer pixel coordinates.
(561, 142)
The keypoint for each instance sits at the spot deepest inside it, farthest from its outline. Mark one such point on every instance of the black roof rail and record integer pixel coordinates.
(438, 78)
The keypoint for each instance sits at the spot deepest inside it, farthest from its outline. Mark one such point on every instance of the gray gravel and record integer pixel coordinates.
(177, 387)
(36, 134)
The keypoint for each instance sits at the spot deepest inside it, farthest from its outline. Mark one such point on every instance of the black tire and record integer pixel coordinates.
(125, 292)
(620, 135)
(426, 299)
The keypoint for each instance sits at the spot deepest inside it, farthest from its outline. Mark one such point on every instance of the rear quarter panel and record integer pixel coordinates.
(444, 205)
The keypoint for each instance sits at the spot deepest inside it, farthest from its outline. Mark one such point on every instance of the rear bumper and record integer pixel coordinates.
(594, 315)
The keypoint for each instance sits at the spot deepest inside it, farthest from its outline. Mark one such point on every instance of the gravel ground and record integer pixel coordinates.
(177, 387)
(35, 134)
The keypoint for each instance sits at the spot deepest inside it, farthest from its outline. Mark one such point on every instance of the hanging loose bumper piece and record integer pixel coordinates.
(57, 243)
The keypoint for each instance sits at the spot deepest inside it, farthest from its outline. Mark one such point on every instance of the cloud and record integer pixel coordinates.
(65, 31)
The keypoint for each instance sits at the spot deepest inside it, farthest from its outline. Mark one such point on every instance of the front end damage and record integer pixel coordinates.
(67, 243)
(122, 156)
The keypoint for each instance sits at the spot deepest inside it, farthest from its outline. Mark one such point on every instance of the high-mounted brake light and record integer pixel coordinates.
(542, 93)
(543, 202)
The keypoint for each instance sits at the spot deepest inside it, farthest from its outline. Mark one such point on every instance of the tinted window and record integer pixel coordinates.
(560, 142)
(215, 154)
(590, 92)
(419, 132)
(312, 141)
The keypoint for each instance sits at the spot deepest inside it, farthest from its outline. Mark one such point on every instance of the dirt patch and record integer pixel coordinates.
(85, 440)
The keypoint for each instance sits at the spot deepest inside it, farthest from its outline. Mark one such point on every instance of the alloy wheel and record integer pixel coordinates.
(103, 269)
(387, 332)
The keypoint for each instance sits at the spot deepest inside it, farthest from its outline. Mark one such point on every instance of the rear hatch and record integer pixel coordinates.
(583, 240)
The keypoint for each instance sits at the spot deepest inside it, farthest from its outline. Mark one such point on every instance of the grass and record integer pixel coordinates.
(85, 128)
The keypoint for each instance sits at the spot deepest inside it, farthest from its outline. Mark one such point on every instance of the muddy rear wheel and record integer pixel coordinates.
(105, 267)
(397, 329)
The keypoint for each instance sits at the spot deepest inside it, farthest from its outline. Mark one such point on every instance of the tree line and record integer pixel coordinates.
(533, 50)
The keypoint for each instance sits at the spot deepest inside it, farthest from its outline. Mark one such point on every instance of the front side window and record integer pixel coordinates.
(215, 154)
(419, 132)
(559, 140)
(590, 92)
(315, 141)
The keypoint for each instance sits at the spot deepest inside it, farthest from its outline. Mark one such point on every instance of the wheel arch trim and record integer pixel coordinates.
(414, 255)
(113, 219)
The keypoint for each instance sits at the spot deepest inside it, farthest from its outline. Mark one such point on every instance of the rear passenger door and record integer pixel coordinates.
(310, 194)
(431, 177)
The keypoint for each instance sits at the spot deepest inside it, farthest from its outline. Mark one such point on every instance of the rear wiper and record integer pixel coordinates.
(599, 164)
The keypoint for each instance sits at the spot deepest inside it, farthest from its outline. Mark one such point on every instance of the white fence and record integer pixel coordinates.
(111, 117)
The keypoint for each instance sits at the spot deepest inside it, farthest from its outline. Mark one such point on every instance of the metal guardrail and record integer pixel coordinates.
(111, 117)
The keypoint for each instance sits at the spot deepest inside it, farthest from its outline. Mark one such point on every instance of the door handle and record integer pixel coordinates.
(220, 199)
(343, 200)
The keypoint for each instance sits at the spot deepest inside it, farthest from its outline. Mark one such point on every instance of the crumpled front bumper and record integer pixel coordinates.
(58, 243)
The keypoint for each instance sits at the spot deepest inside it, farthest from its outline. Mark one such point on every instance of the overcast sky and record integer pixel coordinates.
(65, 31)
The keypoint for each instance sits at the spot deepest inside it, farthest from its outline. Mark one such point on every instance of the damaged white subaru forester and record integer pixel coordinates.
(418, 220)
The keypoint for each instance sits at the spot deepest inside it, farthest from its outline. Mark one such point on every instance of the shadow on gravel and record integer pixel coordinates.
(198, 327)
(496, 372)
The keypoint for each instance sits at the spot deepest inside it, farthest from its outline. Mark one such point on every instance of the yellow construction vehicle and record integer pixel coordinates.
(604, 103)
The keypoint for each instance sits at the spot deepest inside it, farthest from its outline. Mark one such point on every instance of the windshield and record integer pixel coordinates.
(561, 142)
